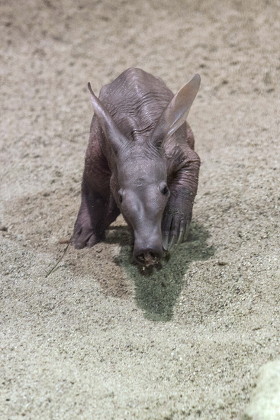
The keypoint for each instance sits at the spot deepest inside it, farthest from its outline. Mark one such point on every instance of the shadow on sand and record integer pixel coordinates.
(157, 291)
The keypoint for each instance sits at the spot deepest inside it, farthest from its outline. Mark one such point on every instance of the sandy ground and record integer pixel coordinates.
(95, 339)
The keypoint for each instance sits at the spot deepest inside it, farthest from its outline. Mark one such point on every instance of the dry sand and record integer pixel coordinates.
(95, 339)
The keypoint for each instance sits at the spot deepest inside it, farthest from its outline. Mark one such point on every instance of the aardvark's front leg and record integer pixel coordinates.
(89, 227)
(178, 212)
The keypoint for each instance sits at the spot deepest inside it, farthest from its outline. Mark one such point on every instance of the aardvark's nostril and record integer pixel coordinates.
(148, 257)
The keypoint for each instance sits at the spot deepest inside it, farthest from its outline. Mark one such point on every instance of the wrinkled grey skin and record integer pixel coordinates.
(139, 162)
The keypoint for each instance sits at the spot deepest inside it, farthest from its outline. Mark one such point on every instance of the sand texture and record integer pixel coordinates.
(95, 339)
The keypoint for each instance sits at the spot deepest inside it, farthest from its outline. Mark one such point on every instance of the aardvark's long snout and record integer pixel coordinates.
(148, 252)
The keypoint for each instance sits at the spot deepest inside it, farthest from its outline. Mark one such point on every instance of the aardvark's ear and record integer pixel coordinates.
(176, 112)
(109, 127)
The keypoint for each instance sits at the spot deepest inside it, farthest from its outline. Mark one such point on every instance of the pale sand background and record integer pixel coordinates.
(95, 340)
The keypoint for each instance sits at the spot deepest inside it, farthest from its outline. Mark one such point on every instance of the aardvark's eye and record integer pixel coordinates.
(120, 196)
(164, 188)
